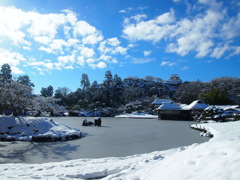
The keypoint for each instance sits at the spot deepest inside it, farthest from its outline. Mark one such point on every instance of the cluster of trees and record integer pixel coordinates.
(133, 91)
(112, 92)
(16, 95)
(130, 93)
(219, 91)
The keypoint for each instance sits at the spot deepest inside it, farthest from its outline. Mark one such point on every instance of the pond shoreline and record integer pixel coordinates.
(117, 137)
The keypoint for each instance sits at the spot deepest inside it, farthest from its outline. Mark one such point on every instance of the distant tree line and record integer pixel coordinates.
(219, 91)
(112, 92)
(129, 94)
(132, 91)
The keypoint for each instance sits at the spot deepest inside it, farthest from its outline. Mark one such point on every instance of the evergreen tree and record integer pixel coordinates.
(117, 91)
(215, 97)
(47, 92)
(85, 83)
(6, 73)
(25, 80)
(62, 94)
(108, 87)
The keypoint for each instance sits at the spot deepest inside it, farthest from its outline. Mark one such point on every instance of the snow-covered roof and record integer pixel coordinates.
(161, 101)
(225, 107)
(169, 106)
(196, 105)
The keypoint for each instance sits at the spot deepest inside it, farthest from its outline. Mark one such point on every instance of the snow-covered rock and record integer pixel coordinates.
(25, 128)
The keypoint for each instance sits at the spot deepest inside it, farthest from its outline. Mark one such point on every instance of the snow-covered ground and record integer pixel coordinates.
(25, 128)
(137, 115)
(218, 159)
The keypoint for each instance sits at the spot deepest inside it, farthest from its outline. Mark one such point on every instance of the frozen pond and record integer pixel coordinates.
(115, 138)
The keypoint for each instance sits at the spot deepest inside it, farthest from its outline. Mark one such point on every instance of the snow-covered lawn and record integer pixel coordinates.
(218, 159)
(137, 115)
(25, 128)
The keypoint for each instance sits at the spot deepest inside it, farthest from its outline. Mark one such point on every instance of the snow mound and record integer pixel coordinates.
(34, 129)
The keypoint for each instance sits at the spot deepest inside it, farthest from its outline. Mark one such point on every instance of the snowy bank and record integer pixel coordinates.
(34, 129)
(218, 159)
(137, 115)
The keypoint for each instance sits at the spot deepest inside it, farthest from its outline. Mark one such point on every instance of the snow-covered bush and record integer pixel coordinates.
(214, 113)
(49, 104)
(15, 97)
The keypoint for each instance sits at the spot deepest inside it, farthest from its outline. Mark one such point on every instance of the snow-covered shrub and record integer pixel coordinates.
(214, 113)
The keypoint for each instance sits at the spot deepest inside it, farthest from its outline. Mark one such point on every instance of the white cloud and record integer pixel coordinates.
(142, 60)
(122, 11)
(231, 28)
(236, 51)
(49, 65)
(16, 70)
(112, 48)
(43, 65)
(219, 51)
(69, 67)
(152, 30)
(45, 24)
(37, 63)
(80, 61)
(55, 46)
(11, 58)
(119, 50)
(166, 18)
(82, 28)
(63, 60)
(196, 35)
(105, 57)
(184, 68)
(113, 42)
(202, 33)
(87, 52)
(71, 17)
(167, 63)
(62, 38)
(115, 61)
(147, 53)
(42, 39)
(101, 65)
(92, 39)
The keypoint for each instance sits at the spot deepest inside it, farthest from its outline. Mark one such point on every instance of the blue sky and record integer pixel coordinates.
(55, 42)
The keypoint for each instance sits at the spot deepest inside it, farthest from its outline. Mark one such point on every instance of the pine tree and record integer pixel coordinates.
(5, 75)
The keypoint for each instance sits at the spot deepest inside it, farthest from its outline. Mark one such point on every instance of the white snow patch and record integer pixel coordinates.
(137, 115)
(217, 159)
(23, 128)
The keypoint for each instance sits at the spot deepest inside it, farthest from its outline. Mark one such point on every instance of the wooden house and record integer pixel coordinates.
(172, 111)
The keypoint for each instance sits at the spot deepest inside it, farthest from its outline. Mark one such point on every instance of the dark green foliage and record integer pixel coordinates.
(215, 97)
(189, 92)
(25, 80)
(47, 92)
(5, 75)
(224, 90)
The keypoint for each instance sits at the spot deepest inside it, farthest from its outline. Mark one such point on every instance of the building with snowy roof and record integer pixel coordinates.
(172, 111)
(173, 82)
(159, 102)
(197, 105)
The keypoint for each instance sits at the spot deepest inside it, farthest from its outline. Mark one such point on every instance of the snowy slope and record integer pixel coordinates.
(218, 159)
